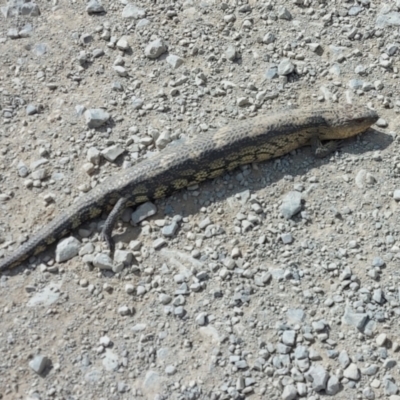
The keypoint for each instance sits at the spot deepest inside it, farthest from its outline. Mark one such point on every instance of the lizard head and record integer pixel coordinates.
(347, 121)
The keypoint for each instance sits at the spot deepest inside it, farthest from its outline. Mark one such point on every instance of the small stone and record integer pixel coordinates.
(103, 261)
(142, 212)
(389, 363)
(170, 230)
(96, 117)
(123, 44)
(285, 67)
(381, 123)
(269, 38)
(67, 248)
(289, 338)
(155, 49)
(158, 243)
(318, 376)
(170, 370)
(333, 385)
(230, 53)
(289, 392)
(283, 13)
(344, 359)
(174, 61)
(352, 372)
(137, 102)
(124, 310)
(31, 109)
(291, 204)
(112, 153)
(39, 363)
(381, 339)
(94, 7)
(129, 288)
(133, 12)
(358, 320)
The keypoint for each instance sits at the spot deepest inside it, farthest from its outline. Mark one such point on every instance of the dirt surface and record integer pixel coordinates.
(215, 295)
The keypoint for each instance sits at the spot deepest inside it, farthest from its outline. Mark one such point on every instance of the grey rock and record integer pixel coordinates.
(137, 103)
(154, 49)
(355, 10)
(152, 380)
(389, 363)
(268, 38)
(230, 53)
(289, 392)
(344, 359)
(39, 363)
(31, 109)
(291, 204)
(103, 261)
(170, 369)
(287, 238)
(26, 31)
(355, 84)
(390, 387)
(122, 387)
(131, 11)
(382, 123)
(123, 256)
(391, 49)
(368, 393)
(110, 361)
(396, 194)
(67, 248)
(301, 352)
(272, 72)
(174, 61)
(318, 376)
(386, 20)
(96, 117)
(112, 153)
(142, 212)
(352, 372)
(284, 13)
(289, 338)
(94, 7)
(142, 23)
(285, 67)
(370, 370)
(295, 315)
(358, 320)
(333, 385)
(170, 230)
(378, 296)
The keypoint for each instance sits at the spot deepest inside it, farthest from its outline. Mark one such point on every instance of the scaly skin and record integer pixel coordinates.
(204, 157)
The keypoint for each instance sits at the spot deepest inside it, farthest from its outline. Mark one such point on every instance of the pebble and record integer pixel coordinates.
(39, 364)
(143, 211)
(96, 117)
(352, 372)
(174, 61)
(94, 7)
(112, 153)
(291, 204)
(318, 377)
(155, 49)
(67, 248)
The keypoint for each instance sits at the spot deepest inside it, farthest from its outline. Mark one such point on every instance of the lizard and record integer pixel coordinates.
(205, 156)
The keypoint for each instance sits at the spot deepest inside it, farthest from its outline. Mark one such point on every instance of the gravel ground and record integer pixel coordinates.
(277, 281)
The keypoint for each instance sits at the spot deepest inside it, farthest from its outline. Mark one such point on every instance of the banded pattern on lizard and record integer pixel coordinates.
(206, 156)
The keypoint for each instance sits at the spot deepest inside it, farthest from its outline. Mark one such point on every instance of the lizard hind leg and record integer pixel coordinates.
(112, 218)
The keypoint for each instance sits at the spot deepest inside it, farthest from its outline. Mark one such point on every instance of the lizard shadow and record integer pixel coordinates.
(293, 166)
